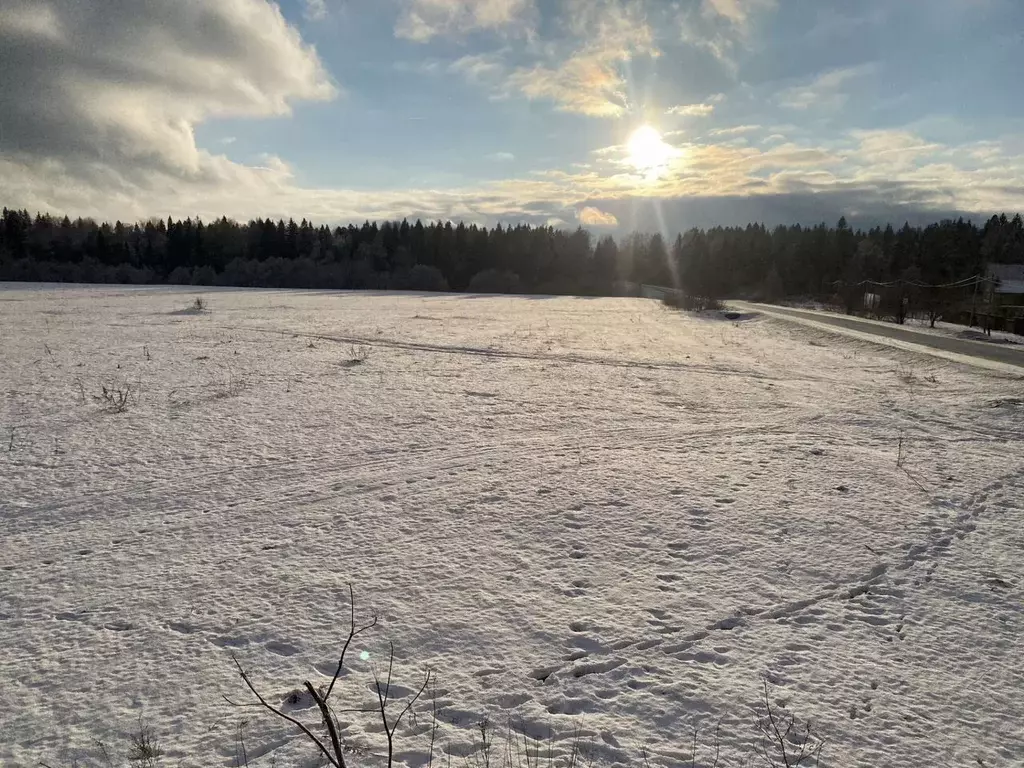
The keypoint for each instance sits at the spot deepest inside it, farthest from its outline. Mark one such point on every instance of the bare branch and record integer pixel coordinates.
(298, 724)
(391, 666)
(352, 634)
(413, 700)
(332, 728)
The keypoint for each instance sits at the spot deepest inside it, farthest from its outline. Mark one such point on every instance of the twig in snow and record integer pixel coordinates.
(784, 741)
(241, 758)
(382, 700)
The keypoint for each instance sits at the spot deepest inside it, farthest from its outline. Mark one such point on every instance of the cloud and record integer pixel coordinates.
(118, 98)
(478, 67)
(102, 98)
(315, 10)
(691, 110)
(791, 182)
(735, 130)
(501, 157)
(736, 12)
(589, 79)
(28, 21)
(589, 216)
(423, 20)
(903, 148)
(825, 90)
(721, 27)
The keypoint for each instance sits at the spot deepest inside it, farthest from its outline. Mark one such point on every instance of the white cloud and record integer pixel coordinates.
(30, 20)
(737, 12)
(478, 67)
(501, 157)
(721, 27)
(981, 177)
(589, 216)
(825, 90)
(691, 110)
(590, 79)
(315, 10)
(735, 130)
(121, 96)
(423, 20)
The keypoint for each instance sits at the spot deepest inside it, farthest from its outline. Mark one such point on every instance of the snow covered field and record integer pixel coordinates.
(591, 514)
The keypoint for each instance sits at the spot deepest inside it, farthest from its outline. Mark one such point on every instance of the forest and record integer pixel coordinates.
(826, 262)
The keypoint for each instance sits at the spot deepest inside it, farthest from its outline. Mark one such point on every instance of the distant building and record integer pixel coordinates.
(1008, 283)
(1004, 296)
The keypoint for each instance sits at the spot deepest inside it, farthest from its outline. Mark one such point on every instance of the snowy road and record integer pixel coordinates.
(1009, 354)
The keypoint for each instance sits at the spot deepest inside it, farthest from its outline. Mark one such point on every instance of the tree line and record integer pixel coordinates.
(751, 261)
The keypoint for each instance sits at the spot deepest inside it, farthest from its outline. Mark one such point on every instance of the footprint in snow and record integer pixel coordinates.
(392, 691)
(512, 700)
(230, 642)
(281, 648)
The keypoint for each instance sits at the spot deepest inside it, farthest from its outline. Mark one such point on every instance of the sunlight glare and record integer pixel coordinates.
(647, 151)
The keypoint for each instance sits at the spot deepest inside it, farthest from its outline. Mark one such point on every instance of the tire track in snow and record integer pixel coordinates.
(504, 354)
(389, 468)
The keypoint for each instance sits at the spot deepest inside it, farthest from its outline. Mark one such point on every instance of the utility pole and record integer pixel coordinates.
(974, 298)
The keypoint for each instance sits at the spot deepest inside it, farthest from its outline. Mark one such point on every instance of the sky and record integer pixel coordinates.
(611, 114)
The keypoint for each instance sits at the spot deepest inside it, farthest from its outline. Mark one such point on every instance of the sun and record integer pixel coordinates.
(648, 152)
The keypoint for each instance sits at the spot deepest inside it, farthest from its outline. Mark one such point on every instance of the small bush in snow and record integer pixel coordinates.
(117, 399)
(357, 355)
(690, 303)
(493, 281)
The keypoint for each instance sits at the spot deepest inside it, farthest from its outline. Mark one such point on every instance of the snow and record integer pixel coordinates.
(592, 514)
(923, 325)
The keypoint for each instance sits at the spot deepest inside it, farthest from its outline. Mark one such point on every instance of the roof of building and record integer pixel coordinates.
(1010, 286)
(1010, 277)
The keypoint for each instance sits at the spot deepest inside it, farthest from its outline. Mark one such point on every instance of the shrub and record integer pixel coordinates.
(691, 303)
(423, 277)
(493, 281)
(180, 276)
(204, 275)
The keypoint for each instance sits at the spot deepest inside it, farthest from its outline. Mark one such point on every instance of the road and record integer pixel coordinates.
(1008, 354)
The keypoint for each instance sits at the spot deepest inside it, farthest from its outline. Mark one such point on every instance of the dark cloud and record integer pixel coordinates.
(862, 208)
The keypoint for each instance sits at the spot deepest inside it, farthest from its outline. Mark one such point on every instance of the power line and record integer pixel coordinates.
(974, 279)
